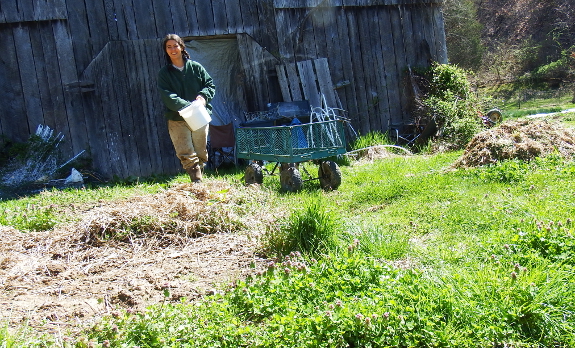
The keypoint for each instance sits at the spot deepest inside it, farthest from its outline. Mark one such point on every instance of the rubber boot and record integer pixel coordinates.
(195, 173)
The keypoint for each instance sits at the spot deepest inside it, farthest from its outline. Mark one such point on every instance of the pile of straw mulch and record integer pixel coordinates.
(523, 139)
(182, 212)
(377, 152)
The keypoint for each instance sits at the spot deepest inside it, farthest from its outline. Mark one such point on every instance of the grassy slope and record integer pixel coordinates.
(476, 258)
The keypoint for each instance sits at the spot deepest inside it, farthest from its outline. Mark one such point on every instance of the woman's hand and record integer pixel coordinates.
(202, 99)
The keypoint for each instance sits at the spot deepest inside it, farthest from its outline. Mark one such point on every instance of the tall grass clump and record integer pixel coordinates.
(311, 229)
(372, 138)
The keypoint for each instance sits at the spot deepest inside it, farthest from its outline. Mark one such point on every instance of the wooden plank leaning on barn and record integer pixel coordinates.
(308, 83)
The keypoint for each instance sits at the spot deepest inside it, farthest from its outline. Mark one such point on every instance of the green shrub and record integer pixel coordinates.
(452, 104)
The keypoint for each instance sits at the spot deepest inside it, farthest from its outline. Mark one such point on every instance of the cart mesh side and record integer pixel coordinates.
(290, 144)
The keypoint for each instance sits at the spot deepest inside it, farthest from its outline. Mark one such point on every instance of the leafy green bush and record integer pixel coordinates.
(452, 104)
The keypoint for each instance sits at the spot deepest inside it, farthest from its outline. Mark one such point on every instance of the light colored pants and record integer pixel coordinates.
(190, 146)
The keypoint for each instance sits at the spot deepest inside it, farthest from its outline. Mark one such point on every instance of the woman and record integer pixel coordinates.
(180, 82)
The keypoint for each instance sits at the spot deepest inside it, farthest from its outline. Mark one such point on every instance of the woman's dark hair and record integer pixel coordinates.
(180, 42)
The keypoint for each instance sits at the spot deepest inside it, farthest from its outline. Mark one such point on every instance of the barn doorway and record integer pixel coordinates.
(221, 58)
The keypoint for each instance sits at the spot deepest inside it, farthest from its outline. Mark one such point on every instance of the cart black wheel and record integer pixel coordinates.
(290, 179)
(329, 175)
(254, 174)
(495, 116)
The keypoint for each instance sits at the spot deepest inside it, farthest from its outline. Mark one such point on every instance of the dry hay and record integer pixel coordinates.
(125, 254)
(377, 152)
(184, 211)
(522, 139)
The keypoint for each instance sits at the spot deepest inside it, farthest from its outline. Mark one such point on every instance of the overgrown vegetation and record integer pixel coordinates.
(404, 254)
(448, 102)
(526, 44)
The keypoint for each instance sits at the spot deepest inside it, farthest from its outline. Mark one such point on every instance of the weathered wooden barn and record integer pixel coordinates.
(87, 68)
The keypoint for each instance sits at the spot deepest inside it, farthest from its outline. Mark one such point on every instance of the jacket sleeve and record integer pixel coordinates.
(209, 89)
(169, 97)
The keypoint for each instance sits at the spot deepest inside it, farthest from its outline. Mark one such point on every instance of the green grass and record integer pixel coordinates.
(418, 256)
(517, 109)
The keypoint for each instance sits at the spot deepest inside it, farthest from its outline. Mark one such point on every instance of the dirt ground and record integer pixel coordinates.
(69, 277)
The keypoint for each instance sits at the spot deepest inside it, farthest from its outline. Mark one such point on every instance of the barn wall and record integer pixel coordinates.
(87, 68)
(371, 47)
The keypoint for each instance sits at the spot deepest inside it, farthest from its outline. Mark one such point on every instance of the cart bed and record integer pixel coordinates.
(291, 144)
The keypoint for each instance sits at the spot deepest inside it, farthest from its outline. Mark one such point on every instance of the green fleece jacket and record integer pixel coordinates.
(179, 89)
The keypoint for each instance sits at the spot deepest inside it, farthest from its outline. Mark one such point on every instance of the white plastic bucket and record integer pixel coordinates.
(195, 115)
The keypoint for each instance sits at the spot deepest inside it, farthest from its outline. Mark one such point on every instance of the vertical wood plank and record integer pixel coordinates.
(381, 119)
(294, 81)
(401, 66)
(429, 32)
(10, 13)
(126, 111)
(418, 39)
(250, 16)
(109, 96)
(390, 69)
(375, 97)
(151, 104)
(136, 83)
(308, 83)
(179, 17)
(12, 121)
(439, 29)
(111, 19)
(284, 83)
(82, 37)
(205, 13)
(331, 49)
(407, 30)
(67, 65)
(194, 28)
(129, 16)
(234, 16)
(348, 92)
(163, 17)
(42, 62)
(325, 81)
(358, 73)
(220, 19)
(122, 19)
(145, 18)
(98, 118)
(285, 36)
(28, 76)
(98, 30)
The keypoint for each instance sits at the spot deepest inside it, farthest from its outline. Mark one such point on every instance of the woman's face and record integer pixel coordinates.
(173, 49)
